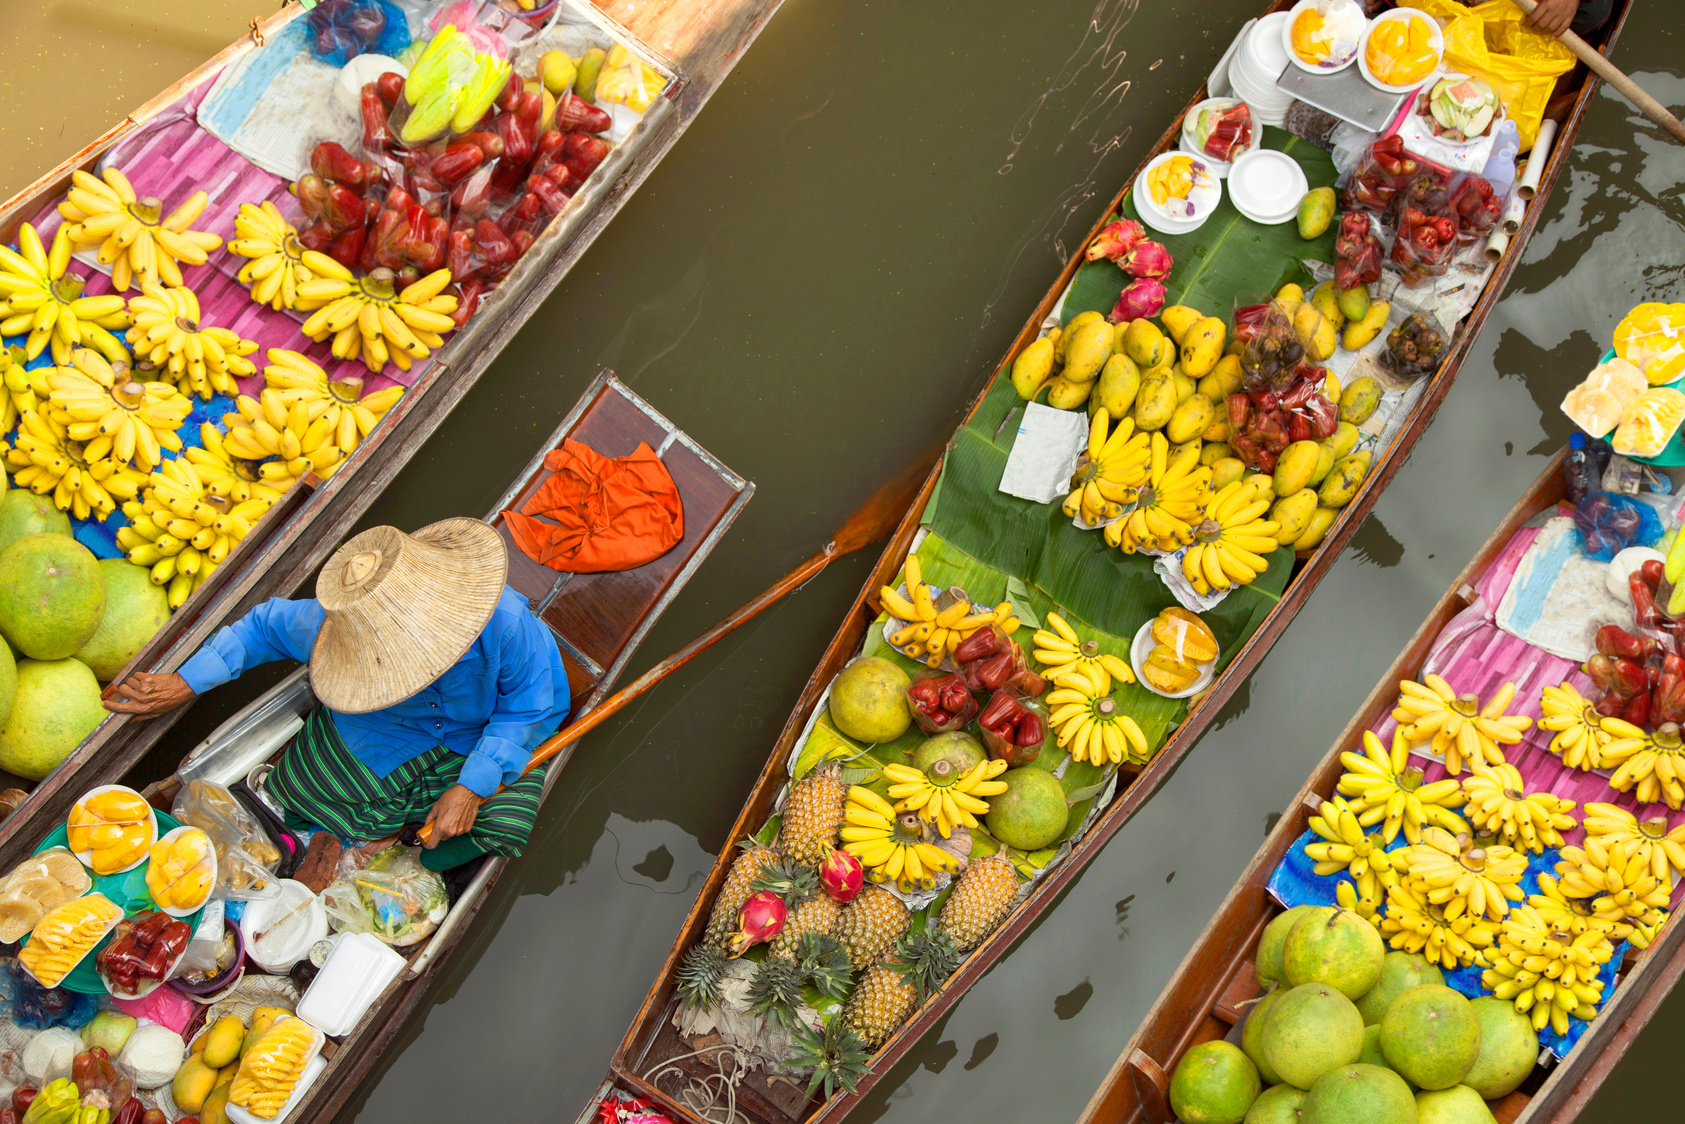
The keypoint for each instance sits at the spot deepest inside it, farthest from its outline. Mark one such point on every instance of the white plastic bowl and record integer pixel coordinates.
(1266, 186)
(1311, 67)
(1142, 647)
(1438, 50)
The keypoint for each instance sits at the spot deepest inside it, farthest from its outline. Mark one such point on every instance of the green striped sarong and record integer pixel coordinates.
(319, 780)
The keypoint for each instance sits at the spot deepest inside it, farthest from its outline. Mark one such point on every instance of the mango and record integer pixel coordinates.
(1316, 212)
(1358, 401)
(1235, 347)
(1213, 451)
(1062, 345)
(1261, 487)
(1360, 334)
(262, 1019)
(222, 1046)
(1353, 302)
(1178, 319)
(557, 72)
(1327, 301)
(1315, 332)
(1202, 346)
(215, 1108)
(1226, 471)
(1119, 381)
(1192, 418)
(1144, 343)
(1225, 379)
(1181, 447)
(585, 85)
(1317, 530)
(1090, 347)
(1063, 394)
(1289, 297)
(1324, 464)
(1218, 430)
(1294, 467)
(1155, 405)
(193, 1083)
(1186, 387)
(1032, 367)
(1344, 440)
(1292, 515)
(1342, 483)
(1331, 387)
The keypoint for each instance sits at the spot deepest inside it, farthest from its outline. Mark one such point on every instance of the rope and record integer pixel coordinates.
(257, 31)
(703, 1095)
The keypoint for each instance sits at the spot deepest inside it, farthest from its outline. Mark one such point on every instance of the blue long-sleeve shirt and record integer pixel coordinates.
(493, 706)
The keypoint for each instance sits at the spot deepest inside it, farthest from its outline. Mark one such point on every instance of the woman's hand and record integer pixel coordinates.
(1553, 16)
(147, 696)
(452, 815)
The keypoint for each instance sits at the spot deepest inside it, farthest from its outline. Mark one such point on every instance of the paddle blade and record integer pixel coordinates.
(878, 516)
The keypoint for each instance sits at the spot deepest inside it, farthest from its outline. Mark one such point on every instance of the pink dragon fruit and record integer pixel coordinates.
(1115, 240)
(842, 876)
(761, 918)
(1148, 259)
(1143, 298)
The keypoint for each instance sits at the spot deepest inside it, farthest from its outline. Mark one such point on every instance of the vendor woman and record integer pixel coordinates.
(434, 682)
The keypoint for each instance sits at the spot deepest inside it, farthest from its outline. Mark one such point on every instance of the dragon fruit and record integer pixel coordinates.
(842, 876)
(760, 918)
(1148, 259)
(1115, 240)
(1143, 298)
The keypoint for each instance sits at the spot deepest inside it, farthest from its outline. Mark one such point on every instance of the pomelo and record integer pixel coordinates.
(1278, 1105)
(134, 610)
(1031, 813)
(52, 595)
(22, 512)
(1314, 1029)
(1457, 1105)
(1359, 1093)
(957, 748)
(1214, 1083)
(1372, 1054)
(57, 706)
(869, 700)
(1400, 971)
(1431, 1035)
(1508, 1048)
(1252, 1036)
(1339, 948)
(1269, 944)
(8, 679)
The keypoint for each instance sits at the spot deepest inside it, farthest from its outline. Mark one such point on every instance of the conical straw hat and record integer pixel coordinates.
(401, 609)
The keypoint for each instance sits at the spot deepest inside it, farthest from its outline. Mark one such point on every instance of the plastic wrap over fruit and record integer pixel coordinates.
(1652, 338)
(941, 702)
(1649, 423)
(1599, 402)
(1608, 523)
(1014, 727)
(340, 30)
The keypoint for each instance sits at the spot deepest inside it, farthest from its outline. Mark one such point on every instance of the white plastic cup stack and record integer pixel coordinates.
(1255, 67)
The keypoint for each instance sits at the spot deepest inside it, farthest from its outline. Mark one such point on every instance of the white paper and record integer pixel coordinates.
(1169, 568)
(1045, 454)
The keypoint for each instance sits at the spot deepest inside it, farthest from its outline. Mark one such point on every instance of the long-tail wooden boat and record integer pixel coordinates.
(598, 621)
(1208, 995)
(284, 549)
(652, 1045)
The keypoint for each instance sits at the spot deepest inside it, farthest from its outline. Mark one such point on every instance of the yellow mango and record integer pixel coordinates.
(1315, 332)
(1317, 530)
(193, 1083)
(1192, 418)
(1032, 367)
(1062, 394)
(1213, 451)
(1326, 300)
(1062, 346)
(1144, 343)
(1120, 381)
(1344, 481)
(1292, 515)
(1186, 387)
(1178, 319)
(1090, 347)
(1324, 464)
(1359, 400)
(1289, 297)
(222, 1046)
(1218, 430)
(1155, 404)
(1360, 333)
(1225, 379)
(1226, 470)
(1202, 346)
(1294, 467)
(1344, 440)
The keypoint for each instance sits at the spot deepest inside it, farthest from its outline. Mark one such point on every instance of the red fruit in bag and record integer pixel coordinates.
(574, 112)
(377, 133)
(925, 691)
(468, 301)
(1030, 730)
(981, 643)
(316, 237)
(342, 209)
(512, 90)
(332, 162)
(390, 87)
(517, 145)
(312, 193)
(456, 162)
(347, 247)
(1637, 710)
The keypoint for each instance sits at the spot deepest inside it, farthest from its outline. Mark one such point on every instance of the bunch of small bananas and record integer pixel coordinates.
(1090, 723)
(1115, 469)
(1580, 737)
(37, 296)
(181, 531)
(1451, 871)
(231, 478)
(1348, 848)
(1618, 880)
(264, 427)
(100, 403)
(1575, 916)
(1547, 974)
(20, 383)
(1168, 505)
(370, 318)
(1232, 545)
(1459, 729)
(891, 845)
(1411, 923)
(134, 236)
(47, 461)
(276, 268)
(1385, 787)
(934, 633)
(945, 797)
(351, 415)
(1498, 804)
(199, 358)
(1654, 764)
(1622, 833)
(1061, 651)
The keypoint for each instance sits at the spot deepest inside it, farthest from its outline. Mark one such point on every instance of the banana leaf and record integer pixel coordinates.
(1228, 255)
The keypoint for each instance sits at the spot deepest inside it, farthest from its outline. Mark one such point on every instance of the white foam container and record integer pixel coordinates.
(275, 955)
(352, 978)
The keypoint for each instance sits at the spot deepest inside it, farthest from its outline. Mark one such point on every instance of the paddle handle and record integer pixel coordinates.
(1617, 78)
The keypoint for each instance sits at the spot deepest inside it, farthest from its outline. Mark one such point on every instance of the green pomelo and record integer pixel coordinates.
(1372, 1054)
(1508, 1048)
(1279, 1105)
(1269, 944)
(22, 512)
(1431, 1035)
(869, 700)
(135, 609)
(1214, 1083)
(1340, 949)
(8, 681)
(1359, 1094)
(1031, 813)
(1252, 1036)
(57, 706)
(1457, 1105)
(1400, 971)
(1314, 1029)
(958, 748)
(52, 595)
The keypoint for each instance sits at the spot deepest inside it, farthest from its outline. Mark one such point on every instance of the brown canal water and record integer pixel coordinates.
(813, 283)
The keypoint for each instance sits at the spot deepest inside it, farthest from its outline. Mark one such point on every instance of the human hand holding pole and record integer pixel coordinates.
(1546, 16)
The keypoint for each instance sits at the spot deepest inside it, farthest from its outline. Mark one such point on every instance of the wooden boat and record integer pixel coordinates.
(598, 621)
(652, 1045)
(288, 546)
(1205, 998)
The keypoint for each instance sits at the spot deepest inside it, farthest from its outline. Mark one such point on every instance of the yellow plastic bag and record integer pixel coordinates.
(1489, 41)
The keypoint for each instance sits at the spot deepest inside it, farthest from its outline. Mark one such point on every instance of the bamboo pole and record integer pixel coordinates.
(1616, 77)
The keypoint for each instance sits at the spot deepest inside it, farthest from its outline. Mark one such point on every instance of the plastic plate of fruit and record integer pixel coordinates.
(1338, 24)
(1143, 646)
(208, 858)
(143, 986)
(1673, 453)
(86, 855)
(1381, 41)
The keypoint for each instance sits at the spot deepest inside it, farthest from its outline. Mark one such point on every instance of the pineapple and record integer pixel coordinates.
(700, 974)
(813, 815)
(819, 915)
(981, 900)
(871, 924)
(892, 990)
(776, 989)
(739, 884)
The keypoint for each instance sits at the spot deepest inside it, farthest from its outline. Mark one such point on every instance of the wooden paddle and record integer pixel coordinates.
(1616, 77)
(872, 521)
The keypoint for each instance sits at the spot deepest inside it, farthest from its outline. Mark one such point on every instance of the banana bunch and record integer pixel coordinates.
(99, 403)
(1168, 505)
(935, 633)
(1651, 763)
(38, 297)
(1498, 804)
(351, 416)
(134, 236)
(47, 461)
(1452, 872)
(1619, 831)
(945, 797)
(1231, 546)
(1348, 848)
(891, 845)
(1619, 881)
(1580, 736)
(1411, 923)
(18, 393)
(265, 427)
(1575, 916)
(200, 358)
(181, 531)
(1459, 729)
(1384, 786)
(1545, 973)
(1090, 723)
(370, 318)
(1061, 651)
(276, 268)
(226, 476)
(1116, 468)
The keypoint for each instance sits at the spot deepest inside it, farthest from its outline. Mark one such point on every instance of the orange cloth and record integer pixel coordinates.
(610, 513)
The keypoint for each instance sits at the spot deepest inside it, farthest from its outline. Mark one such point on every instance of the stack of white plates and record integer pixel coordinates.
(1266, 186)
(1256, 66)
(1207, 193)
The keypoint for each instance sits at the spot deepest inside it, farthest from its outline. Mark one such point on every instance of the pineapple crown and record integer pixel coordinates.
(788, 879)
(925, 959)
(823, 962)
(776, 989)
(837, 1056)
(699, 976)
